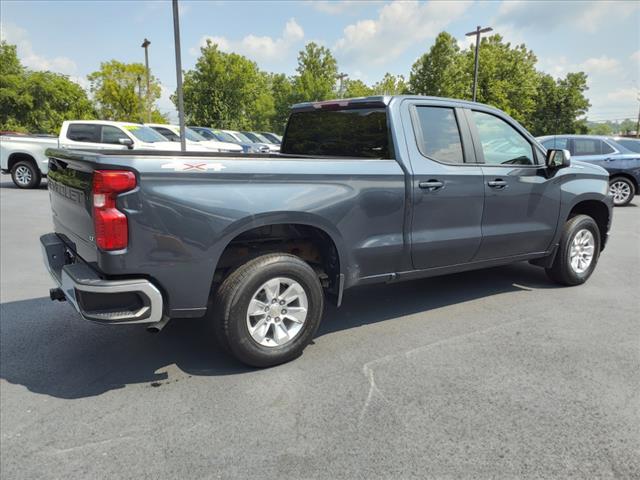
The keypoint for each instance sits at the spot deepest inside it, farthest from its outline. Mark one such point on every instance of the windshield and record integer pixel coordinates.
(224, 136)
(359, 132)
(206, 134)
(252, 137)
(243, 137)
(145, 134)
(263, 139)
(193, 135)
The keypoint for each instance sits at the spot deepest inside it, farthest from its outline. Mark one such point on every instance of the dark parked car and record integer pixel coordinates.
(369, 190)
(622, 163)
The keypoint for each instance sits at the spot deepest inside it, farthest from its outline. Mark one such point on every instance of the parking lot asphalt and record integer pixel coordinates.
(489, 374)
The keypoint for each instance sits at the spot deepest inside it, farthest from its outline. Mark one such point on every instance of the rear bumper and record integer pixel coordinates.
(128, 301)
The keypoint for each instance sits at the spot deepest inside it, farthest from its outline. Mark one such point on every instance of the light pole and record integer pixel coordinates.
(145, 45)
(140, 96)
(477, 33)
(176, 38)
(341, 77)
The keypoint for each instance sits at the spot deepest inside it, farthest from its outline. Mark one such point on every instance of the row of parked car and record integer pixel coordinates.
(24, 155)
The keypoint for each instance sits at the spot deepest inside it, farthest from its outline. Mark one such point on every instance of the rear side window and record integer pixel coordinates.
(438, 135)
(84, 132)
(112, 134)
(586, 146)
(360, 133)
(606, 148)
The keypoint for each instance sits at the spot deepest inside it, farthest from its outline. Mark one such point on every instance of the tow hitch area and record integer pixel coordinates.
(57, 294)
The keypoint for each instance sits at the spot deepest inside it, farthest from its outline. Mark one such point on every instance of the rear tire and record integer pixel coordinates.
(622, 190)
(25, 174)
(251, 319)
(578, 252)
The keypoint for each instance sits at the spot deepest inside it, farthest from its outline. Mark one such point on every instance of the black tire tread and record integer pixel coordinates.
(37, 176)
(229, 289)
(560, 272)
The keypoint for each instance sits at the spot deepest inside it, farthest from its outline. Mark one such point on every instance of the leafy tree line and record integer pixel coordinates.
(36, 101)
(227, 90)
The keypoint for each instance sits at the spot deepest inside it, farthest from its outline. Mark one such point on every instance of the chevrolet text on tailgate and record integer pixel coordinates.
(368, 190)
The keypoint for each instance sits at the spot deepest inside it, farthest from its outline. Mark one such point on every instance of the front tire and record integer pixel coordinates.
(622, 190)
(578, 252)
(25, 174)
(268, 310)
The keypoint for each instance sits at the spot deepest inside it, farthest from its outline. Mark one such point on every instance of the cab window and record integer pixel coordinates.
(84, 132)
(501, 143)
(112, 134)
(438, 135)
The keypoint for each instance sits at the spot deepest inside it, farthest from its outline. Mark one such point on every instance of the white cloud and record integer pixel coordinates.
(584, 16)
(623, 95)
(594, 67)
(258, 47)
(399, 26)
(19, 37)
(635, 56)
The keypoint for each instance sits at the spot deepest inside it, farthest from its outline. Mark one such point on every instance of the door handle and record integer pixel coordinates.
(609, 159)
(431, 185)
(498, 183)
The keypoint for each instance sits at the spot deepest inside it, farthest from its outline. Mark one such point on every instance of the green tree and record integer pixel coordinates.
(627, 126)
(281, 89)
(316, 78)
(356, 88)
(119, 92)
(439, 71)
(507, 78)
(37, 101)
(600, 129)
(560, 105)
(226, 90)
(390, 85)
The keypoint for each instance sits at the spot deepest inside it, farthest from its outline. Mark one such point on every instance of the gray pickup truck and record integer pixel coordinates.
(368, 190)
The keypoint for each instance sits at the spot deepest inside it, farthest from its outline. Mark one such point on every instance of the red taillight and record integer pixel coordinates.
(111, 230)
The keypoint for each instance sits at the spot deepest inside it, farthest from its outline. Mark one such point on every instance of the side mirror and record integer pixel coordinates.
(558, 158)
(126, 141)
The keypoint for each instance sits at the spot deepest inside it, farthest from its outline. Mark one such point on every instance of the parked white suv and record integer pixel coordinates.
(24, 156)
(172, 132)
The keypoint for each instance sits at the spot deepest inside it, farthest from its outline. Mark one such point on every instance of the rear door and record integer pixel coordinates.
(522, 201)
(446, 186)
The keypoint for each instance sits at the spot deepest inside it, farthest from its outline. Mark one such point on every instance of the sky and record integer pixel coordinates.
(367, 38)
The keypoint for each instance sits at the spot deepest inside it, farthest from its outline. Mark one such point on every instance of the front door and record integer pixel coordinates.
(522, 202)
(447, 188)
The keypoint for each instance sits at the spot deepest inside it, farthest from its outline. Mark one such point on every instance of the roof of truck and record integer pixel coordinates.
(376, 101)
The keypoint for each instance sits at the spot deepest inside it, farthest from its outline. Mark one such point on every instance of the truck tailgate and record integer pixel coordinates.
(71, 204)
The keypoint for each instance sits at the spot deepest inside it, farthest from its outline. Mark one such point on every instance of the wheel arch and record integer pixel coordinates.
(16, 157)
(596, 209)
(287, 232)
